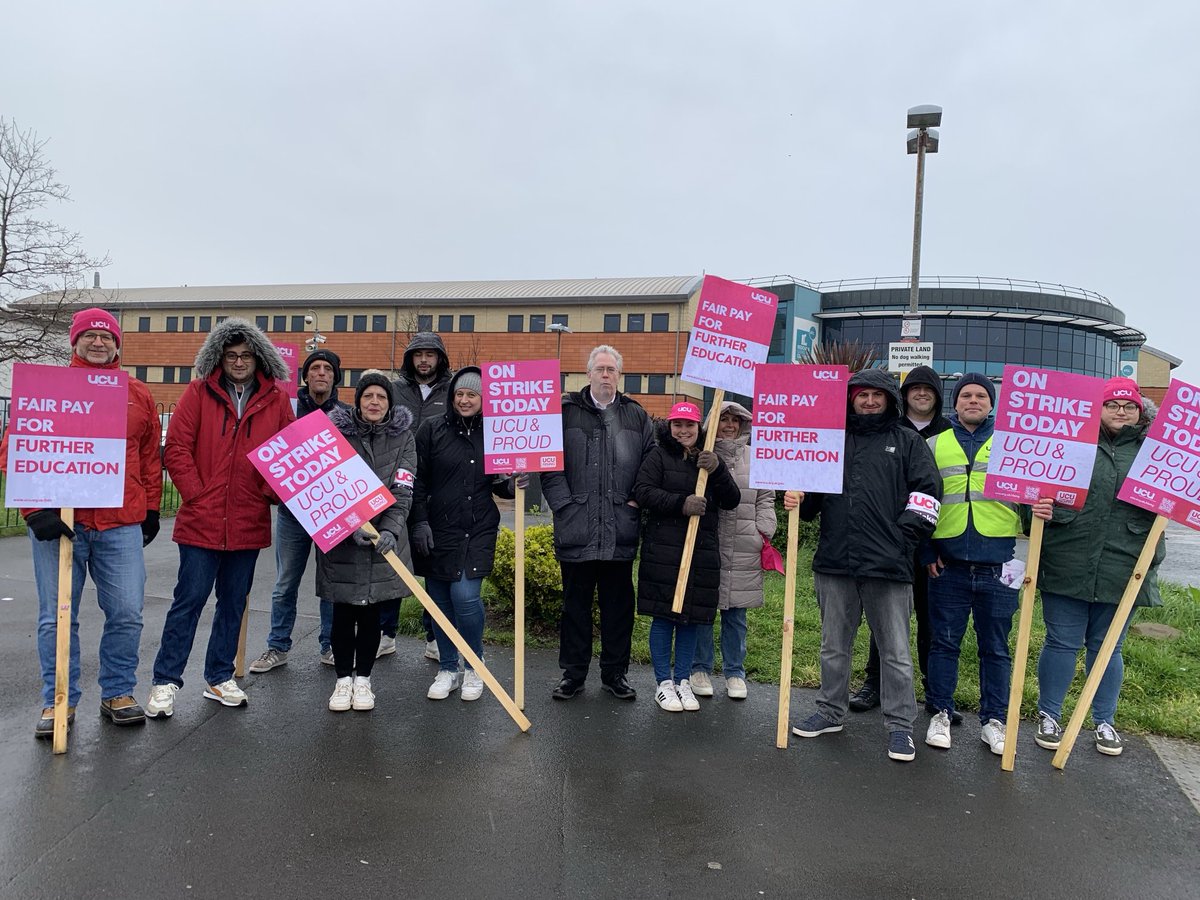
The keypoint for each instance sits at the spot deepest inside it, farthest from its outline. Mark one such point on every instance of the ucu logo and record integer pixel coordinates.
(106, 380)
(761, 298)
(1144, 492)
(332, 532)
(1008, 485)
(1194, 517)
(827, 375)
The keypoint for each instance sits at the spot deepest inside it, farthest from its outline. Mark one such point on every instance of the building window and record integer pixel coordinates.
(221, 319)
(516, 323)
(656, 384)
(424, 323)
(339, 323)
(558, 319)
(612, 321)
(466, 323)
(206, 323)
(189, 323)
(353, 375)
(359, 323)
(660, 322)
(445, 324)
(168, 375)
(379, 323)
(140, 373)
(172, 323)
(298, 323)
(636, 322)
(261, 322)
(143, 323)
(279, 323)
(185, 374)
(633, 384)
(537, 322)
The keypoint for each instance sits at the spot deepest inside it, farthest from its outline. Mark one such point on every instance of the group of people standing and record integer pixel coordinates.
(911, 527)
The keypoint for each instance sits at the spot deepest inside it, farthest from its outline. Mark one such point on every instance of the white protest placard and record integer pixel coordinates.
(66, 440)
(1165, 476)
(798, 435)
(730, 335)
(522, 417)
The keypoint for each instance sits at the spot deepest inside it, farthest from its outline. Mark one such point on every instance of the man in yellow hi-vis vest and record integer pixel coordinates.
(974, 538)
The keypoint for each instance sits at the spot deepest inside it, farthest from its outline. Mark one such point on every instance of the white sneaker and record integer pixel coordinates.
(162, 701)
(992, 734)
(472, 686)
(938, 734)
(667, 698)
(686, 697)
(227, 693)
(443, 684)
(387, 645)
(327, 657)
(363, 696)
(431, 651)
(735, 687)
(701, 684)
(343, 693)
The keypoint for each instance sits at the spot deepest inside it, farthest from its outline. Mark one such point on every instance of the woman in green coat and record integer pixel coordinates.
(1088, 556)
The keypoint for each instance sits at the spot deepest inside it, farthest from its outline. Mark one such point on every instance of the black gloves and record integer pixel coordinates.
(150, 527)
(361, 537)
(47, 525)
(386, 542)
(708, 461)
(422, 538)
(694, 505)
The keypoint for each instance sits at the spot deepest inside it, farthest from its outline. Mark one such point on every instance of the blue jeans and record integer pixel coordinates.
(661, 633)
(293, 547)
(462, 605)
(232, 572)
(118, 569)
(1070, 625)
(733, 645)
(964, 590)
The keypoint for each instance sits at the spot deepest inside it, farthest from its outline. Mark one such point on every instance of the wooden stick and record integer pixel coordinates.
(689, 543)
(1120, 617)
(239, 661)
(451, 632)
(62, 633)
(519, 600)
(789, 627)
(1016, 689)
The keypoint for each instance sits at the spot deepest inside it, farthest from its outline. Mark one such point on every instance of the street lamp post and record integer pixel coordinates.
(317, 338)
(921, 140)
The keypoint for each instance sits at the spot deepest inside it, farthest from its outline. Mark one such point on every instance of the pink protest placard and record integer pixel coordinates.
(522, 417)
(328, 487)
(1044, 445)
(1165, 476)
(291, 359)
(66, 438)
(798, 436)
(730, 335)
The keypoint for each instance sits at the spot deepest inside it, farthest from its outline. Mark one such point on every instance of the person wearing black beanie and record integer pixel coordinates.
(974, 378)
(328, 356)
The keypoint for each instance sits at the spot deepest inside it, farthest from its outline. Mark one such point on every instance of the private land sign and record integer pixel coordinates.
(798, 435)
(66, 441)
(522, 417)
(730, 335)
(904, 356)
(1165, 476)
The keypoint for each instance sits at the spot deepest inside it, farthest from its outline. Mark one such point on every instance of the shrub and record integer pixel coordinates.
(543, 579)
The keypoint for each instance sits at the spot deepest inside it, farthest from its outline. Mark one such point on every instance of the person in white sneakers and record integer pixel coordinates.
(666, 489)
(354, 574)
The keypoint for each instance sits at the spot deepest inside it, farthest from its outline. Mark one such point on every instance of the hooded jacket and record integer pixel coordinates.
(741, 529)
(668, 477)
(225, 502)
(603, 451)
(454, 496)
(889, 499)
(355, 574)
(927, 376)
(408, 389)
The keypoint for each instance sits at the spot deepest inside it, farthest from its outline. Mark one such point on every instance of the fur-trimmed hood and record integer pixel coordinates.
(235, 331)
(349, 423)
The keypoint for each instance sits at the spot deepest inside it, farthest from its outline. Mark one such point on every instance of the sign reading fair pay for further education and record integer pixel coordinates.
(1044, 445)
(328, 487)
(730, 335)
(1165, 476)
(66, 440)
(522, 417)
(798, 436)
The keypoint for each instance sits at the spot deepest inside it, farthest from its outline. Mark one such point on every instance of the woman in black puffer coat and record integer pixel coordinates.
(665, 489)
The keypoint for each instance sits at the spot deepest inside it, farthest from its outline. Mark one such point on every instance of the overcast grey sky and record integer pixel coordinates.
(265, 142)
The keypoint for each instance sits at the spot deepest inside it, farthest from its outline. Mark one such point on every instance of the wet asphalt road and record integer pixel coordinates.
(599, 799)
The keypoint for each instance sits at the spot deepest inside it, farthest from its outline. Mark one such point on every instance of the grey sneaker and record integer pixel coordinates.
(387, 646)
(272, 659)
(1108, 741)
(702, 685)
(327, 656)
(431, 651)
(1049, 733)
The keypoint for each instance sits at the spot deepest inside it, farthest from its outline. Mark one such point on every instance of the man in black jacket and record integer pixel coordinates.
(921, 397)
(864, 558)
(606, 435)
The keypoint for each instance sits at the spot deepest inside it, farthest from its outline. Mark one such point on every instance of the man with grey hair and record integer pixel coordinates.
(606, 435)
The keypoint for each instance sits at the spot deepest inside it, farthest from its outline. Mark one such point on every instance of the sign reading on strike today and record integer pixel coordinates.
(328, 487)
(1044, 445)
(731, 334)
(798, 436)
(66, 438)
(1165, 476)
(522, 417)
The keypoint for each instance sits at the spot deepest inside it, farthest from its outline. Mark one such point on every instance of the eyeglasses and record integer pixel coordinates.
(604, 370)
(1114, 406)
(103, 336)
(239, 357)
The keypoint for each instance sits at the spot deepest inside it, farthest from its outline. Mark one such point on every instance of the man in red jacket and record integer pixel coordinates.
(107, 543)
(236, 402)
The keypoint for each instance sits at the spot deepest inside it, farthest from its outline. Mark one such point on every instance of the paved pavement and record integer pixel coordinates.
(599, 799)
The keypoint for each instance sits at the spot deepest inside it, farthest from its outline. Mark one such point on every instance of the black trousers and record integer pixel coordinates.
(611, 581)
(921, 608)
(355, 635)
